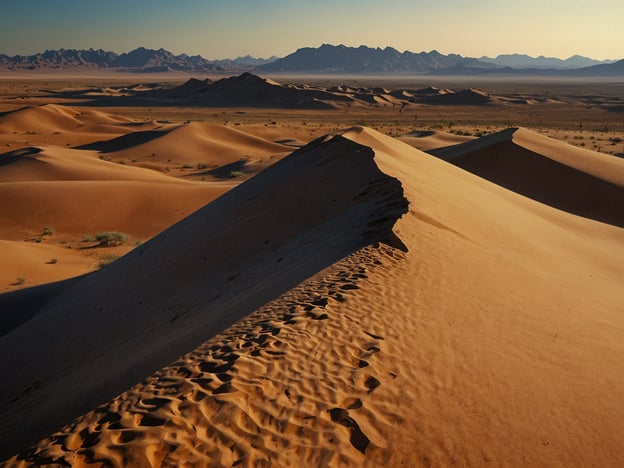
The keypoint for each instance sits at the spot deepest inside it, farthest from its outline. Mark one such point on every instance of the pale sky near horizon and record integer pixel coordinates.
(227, 29)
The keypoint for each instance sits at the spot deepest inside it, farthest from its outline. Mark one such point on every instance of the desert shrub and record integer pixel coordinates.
(111, 238)
(20, 280)
(187, 166)
(234, 174)
(48, 231)
(52, 261)
(202, 166)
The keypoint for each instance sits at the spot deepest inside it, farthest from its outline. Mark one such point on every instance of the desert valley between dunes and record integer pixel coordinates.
(311, 271)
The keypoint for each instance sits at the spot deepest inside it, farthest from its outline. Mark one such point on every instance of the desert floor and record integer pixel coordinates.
(415, 286)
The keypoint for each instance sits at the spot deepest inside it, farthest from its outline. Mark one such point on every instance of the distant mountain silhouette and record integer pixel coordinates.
(612, 69)
(137, 60)
(343, 59)
(541, 62)
(324, 59)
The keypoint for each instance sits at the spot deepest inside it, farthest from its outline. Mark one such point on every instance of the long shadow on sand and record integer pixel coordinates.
(124, 142)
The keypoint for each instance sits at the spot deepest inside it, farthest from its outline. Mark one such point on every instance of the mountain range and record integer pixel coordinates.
(137, 60)
(548, 63)
(324, 59)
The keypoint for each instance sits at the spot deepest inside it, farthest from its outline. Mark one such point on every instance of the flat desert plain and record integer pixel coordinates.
(329, 272)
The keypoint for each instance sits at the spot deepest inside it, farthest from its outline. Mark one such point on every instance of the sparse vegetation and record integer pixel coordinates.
(48, 231)
(111, 238)
(52, 261)
(20, 280)
(235, 174)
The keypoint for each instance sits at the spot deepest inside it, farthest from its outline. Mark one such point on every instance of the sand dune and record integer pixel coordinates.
(248, 90)
(111, 183)
(46, 118)
(61, 164)
(485, 330)
(432, 139)
(459, 98)
(210, 144)
(359, 205)
(579, 181)
(51, 118)
(76, 193)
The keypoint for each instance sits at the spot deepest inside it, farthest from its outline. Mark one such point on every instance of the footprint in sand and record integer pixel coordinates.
(358, 439)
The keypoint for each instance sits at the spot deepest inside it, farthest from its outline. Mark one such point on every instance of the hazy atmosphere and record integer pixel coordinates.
(277, 27)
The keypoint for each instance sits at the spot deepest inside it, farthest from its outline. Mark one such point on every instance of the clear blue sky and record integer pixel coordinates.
(229, 28)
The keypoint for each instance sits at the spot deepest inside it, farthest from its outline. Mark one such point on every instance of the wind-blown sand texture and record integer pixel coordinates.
(366, 304)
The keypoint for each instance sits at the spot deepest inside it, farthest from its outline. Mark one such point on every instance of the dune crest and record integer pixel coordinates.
(220, 250)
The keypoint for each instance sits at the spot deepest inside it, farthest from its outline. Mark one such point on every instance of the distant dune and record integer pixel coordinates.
(211, 144)
(55, 118)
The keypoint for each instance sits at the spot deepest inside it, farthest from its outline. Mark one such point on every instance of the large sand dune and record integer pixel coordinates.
(185, 285)
(484, 329)
(579, 181)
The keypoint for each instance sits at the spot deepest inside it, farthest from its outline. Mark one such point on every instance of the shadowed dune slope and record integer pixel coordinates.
(582, 182)
(108, 330)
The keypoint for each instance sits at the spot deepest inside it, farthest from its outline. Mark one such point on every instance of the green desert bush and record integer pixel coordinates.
(48, 231)
(111, 238)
